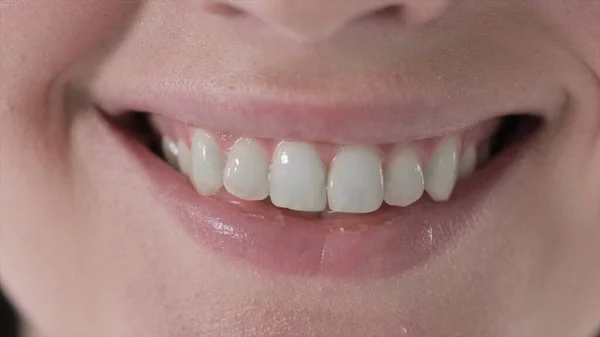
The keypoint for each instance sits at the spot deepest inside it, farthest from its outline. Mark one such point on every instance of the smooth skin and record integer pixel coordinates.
(84, 251)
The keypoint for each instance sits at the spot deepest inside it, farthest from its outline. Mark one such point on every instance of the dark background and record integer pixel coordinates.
(8, 319)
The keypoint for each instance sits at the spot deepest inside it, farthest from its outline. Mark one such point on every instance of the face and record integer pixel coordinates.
(301, 168)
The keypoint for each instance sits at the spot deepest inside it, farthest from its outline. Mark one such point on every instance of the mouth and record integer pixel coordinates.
(315, 208)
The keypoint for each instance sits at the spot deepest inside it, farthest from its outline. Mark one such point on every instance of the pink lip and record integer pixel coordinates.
(391, 115)
(375, 246)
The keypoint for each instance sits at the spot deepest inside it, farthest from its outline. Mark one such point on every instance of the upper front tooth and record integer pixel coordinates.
(207, 163)
(355, 183)
(468, 161)
(246, 173)
(297, 178)
(184, 160)
(441, 171)
(170, 151)
(403, 178)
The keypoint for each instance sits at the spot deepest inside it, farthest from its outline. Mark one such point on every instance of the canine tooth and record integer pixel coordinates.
(207, 163)
(355, 182)
(170, 151)
(403, 177)
(468, 161)
(441, 171)
(184, 160)
(297, 178)
(246, 173)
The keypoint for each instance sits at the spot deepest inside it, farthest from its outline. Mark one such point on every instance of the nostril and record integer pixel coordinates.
(389, 12)
(223, 9)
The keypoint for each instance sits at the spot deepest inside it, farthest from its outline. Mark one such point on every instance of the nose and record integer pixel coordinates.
(313, 20)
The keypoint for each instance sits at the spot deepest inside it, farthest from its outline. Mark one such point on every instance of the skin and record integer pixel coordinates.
(81, 254)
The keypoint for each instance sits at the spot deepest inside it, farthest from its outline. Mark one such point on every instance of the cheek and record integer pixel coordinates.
(39, 39)
(576, 23)
(38, 229)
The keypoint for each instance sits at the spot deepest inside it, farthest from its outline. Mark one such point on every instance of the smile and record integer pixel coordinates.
(316, 203)
(282, 171)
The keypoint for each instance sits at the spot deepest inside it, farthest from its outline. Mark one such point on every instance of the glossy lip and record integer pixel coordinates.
(368, 247)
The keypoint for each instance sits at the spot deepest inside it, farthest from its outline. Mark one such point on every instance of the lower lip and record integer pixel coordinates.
(375, 246)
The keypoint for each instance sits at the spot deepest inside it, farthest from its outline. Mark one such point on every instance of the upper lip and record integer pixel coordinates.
(378, 120)
(390, 110)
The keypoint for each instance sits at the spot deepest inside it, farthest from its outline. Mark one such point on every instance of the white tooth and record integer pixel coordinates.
(403, 178)
(170, 151)
(441, 171)
(467, 162)
(355, 183)
(246, 173)
(183, 158)
(297, 178)
(207, 163)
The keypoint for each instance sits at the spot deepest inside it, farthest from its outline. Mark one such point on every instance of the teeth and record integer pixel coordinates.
(183, 159)
(297, 178)
(441, 171)
(207, 163)
(170, 151)
(404, 182)
(355, 183)
(246, 173)
(467, 162)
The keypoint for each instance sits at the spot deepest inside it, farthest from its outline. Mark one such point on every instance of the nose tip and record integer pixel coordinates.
(312, 20)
